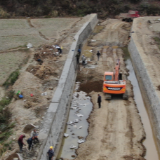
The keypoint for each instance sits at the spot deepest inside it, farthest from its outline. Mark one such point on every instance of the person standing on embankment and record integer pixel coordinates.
(50, 153)
(20, 142)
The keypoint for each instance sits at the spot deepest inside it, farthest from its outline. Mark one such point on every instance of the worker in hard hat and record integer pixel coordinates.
(50, 153)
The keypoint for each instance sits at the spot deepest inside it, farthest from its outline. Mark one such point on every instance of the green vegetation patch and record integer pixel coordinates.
(97, 29)
(157, 40)
(11, 79)
(126, 53)
(149, 9)
(10, 62)
(5, 125)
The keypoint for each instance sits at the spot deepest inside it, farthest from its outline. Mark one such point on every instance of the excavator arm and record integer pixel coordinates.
(117, 67)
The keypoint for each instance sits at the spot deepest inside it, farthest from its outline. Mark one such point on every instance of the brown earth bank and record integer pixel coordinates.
(54, 8)
(115, 131)
(91, 86)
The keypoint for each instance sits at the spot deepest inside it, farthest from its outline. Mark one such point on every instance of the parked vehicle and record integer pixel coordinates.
(128, 17)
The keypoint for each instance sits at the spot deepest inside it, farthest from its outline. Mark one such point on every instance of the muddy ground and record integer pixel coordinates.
(116, 131)
(37, 81)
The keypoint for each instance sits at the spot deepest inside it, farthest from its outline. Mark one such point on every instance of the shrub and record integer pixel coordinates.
(157, 40)
(3, 13)
(5, 126)
(11, 79)
(135, 1)
(153, 9)
(149, 9)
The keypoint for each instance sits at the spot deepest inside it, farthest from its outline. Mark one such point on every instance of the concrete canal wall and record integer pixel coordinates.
(149, 94)
(57, 113)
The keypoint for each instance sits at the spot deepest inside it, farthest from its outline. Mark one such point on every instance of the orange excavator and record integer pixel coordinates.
(113, 83)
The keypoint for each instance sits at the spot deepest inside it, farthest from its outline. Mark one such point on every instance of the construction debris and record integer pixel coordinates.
(44, 94)
(80, 127)
(76, 121)
(70, 123)
(41, 71)
(73, 147)
(81, 141)
(28, 128)
(66, 135)
(79, 115)
(28, 105)
(29, 45)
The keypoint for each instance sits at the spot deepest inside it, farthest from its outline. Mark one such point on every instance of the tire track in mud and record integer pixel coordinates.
(32, 26)
(67, 33)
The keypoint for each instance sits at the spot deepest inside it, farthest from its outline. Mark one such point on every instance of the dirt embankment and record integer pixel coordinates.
(91, 86)
(115, 131)
(37, 82)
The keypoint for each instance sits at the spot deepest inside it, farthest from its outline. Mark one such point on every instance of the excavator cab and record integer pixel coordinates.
(108, 76)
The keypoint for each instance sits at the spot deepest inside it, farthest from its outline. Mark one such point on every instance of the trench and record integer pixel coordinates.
(149, 143)
(77, 125)
(81, 104)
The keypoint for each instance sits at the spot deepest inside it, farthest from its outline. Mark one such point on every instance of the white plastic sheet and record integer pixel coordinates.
(81, 141)
(66, 135)
(29, 45)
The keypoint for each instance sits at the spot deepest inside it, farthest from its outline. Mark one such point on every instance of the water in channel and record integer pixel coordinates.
(81, 104)
(77, 126)
(149, 143)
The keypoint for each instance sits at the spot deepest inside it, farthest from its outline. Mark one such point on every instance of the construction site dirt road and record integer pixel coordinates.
(116, 131)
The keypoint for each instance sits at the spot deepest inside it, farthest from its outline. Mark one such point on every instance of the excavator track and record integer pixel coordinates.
(108, 96)
(125, 95)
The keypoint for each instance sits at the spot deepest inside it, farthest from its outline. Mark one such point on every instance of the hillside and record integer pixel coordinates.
(54, 8)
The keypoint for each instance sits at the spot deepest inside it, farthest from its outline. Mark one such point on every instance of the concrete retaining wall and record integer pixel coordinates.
(57, 113)
(149, 94)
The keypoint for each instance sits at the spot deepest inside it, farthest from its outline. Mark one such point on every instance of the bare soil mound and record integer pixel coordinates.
(92, 86)
(14, 155)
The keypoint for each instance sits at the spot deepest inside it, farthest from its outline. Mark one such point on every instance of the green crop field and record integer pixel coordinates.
(15, 34)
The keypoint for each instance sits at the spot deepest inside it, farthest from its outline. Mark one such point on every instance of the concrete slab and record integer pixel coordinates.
(53, 107)
(57, 95)
(56, 117)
